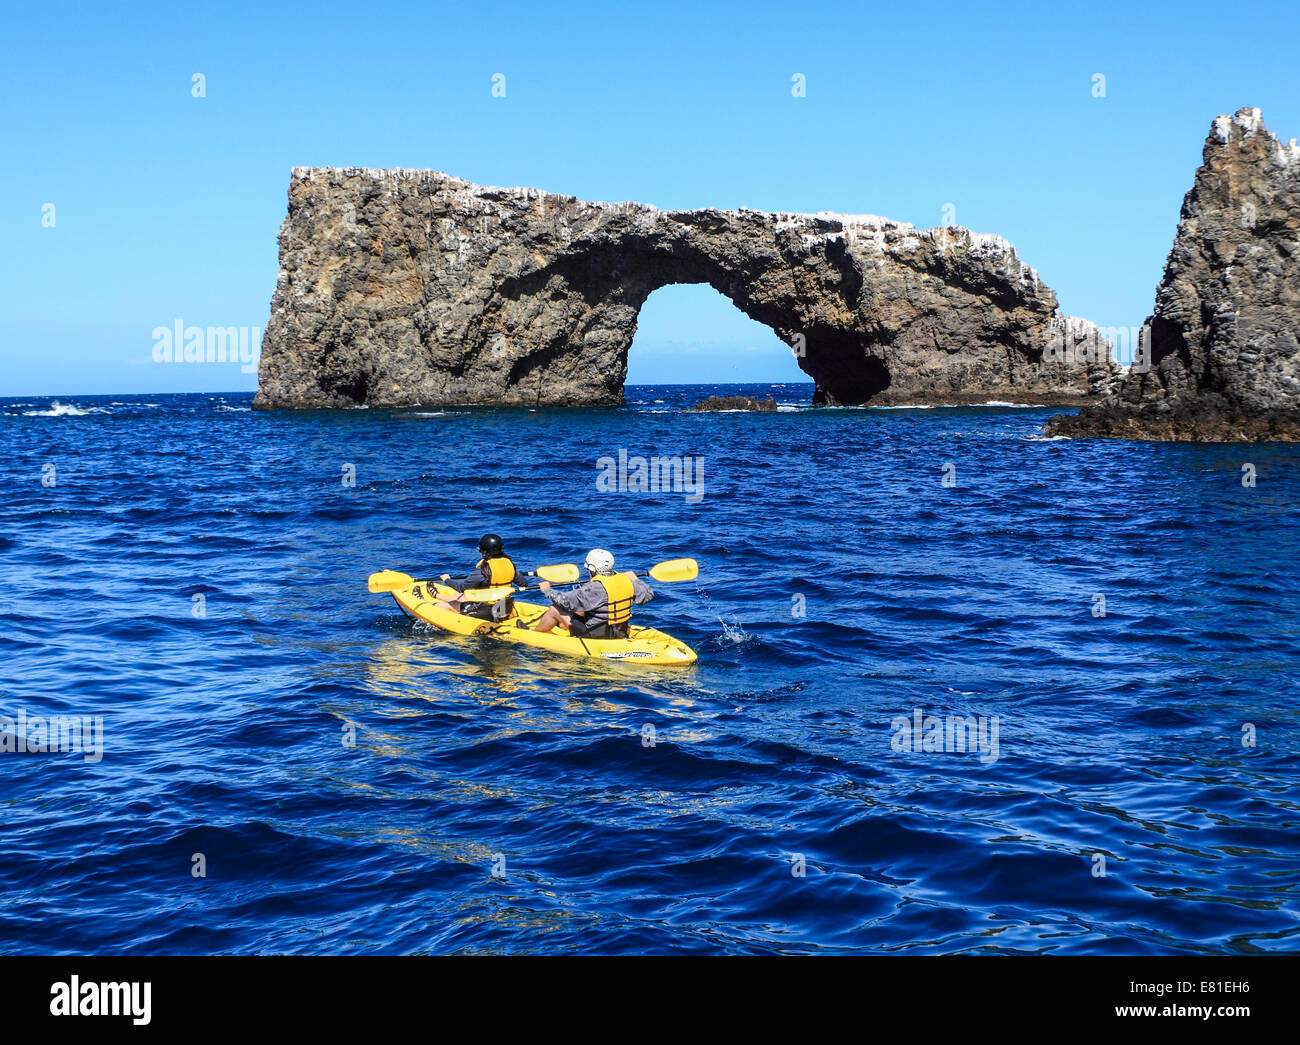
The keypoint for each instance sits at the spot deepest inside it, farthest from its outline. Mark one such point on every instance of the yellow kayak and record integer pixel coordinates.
(642, 646)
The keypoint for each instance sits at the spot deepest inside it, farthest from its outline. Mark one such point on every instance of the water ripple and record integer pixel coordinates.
(348, 782)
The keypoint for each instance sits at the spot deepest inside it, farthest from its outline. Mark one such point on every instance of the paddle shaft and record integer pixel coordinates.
(640, 573)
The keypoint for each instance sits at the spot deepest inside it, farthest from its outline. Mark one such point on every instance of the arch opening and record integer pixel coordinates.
(691, 333)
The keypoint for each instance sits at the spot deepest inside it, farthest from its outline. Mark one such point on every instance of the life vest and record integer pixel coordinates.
(500, 570)
(619, 594)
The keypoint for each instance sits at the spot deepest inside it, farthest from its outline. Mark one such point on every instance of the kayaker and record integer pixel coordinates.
(602, 607)
(494, 569)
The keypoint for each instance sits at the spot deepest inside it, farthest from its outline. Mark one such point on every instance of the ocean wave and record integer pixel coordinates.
(57, 409)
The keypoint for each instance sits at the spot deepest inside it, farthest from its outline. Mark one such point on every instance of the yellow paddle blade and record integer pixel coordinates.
(565, 574)
(487, 594)
(676, 570)
(389, 580)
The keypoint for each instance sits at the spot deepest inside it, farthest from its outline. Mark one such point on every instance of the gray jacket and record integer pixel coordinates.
(590, 602)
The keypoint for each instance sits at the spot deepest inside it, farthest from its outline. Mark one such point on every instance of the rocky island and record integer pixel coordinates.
(404, 287)
(727, 403)
(1220, 360)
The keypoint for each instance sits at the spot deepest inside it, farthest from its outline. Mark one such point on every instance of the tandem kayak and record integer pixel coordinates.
(642, 646)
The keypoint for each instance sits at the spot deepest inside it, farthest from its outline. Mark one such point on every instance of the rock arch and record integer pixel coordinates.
(400, 287)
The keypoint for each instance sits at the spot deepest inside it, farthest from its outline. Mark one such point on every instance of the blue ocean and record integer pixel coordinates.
(275, 760)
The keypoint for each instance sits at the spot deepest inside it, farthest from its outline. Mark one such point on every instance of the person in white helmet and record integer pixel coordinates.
(599, 609)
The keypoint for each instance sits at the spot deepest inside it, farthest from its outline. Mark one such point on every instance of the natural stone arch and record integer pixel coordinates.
(594, 298)
(405, 287)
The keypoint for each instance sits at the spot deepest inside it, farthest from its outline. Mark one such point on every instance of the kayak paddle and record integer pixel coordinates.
(668, 571)
(566, 574)
(391, 580)
(675, 570)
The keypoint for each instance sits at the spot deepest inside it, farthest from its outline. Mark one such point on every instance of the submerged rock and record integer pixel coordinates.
(1220, 359)
(400, 287)
(736, 403)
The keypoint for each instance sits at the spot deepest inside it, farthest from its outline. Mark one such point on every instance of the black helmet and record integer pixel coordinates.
(490, 544)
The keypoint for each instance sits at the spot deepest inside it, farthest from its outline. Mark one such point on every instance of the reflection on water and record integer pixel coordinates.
(488, 671)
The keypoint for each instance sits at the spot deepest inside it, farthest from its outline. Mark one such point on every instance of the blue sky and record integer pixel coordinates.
(167, 205)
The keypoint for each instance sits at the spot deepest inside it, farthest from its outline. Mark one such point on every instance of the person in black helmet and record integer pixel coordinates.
(494, 569)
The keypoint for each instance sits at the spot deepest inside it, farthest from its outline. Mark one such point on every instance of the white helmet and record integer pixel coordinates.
(599, 561)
